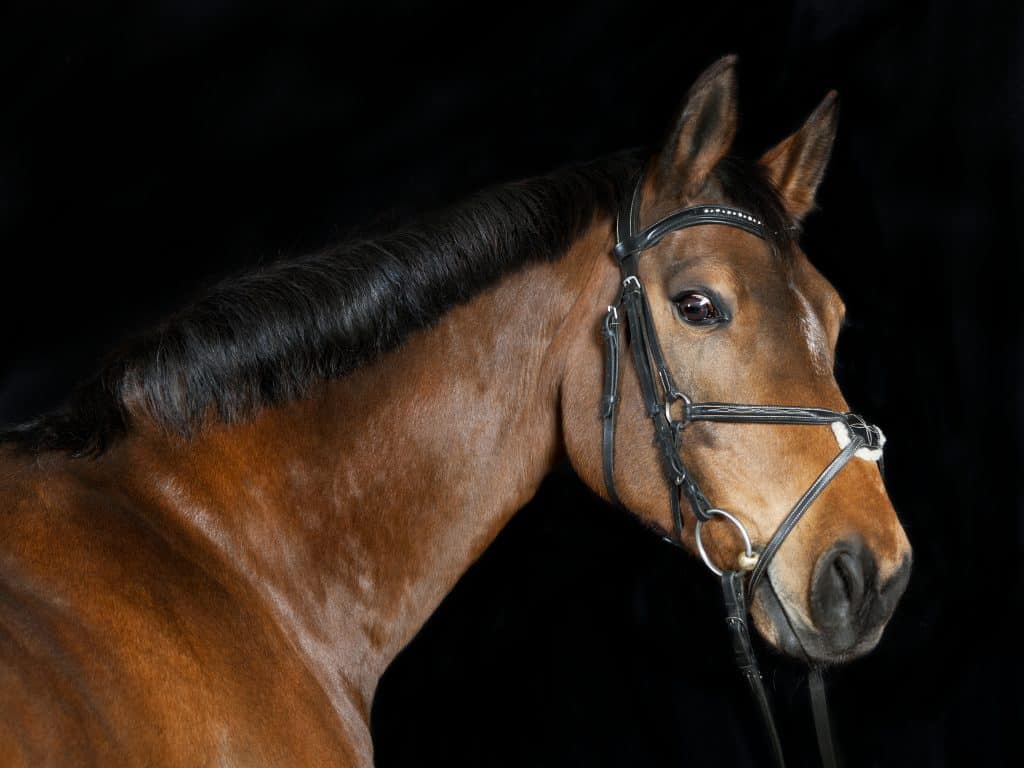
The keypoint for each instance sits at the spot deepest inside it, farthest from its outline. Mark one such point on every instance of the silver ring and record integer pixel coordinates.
(686, 407)
(749, 552)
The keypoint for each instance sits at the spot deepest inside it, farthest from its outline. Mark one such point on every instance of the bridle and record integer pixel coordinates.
(660, 393)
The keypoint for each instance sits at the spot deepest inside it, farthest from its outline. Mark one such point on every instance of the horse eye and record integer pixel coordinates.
(697, 308)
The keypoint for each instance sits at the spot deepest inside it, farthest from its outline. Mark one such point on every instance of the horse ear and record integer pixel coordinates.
(797, 164)
(703, 131)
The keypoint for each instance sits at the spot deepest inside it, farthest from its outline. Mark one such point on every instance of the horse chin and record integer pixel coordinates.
(788, 633)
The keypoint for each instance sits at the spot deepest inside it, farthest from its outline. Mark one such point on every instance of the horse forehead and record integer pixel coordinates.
(730, 248)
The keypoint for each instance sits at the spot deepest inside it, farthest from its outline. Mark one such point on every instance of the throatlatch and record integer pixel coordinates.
(660, 394)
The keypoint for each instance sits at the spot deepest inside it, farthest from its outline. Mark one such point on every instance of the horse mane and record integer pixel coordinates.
(268, 336)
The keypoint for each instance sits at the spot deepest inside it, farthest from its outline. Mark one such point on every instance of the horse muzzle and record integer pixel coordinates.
(849, 605)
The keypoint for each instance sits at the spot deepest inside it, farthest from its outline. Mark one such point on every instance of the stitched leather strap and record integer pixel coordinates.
(610, 399)
(763, 414)
(746, 661)
(799, 510)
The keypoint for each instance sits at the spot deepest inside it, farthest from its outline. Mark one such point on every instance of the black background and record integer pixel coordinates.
(148, 148)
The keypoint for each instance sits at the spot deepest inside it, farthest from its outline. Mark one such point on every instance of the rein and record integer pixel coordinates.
(660, 393)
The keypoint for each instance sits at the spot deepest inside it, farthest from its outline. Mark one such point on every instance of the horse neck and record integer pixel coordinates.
(353, 513)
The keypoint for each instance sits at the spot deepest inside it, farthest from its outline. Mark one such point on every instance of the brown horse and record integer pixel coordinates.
(212, 555)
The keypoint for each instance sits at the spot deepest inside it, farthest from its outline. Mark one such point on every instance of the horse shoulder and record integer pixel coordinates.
(118, 648)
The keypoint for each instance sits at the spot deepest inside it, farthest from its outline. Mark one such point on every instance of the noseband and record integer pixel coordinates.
(660, 394)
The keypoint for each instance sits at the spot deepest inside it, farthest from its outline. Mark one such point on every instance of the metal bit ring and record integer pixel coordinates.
(747, 559)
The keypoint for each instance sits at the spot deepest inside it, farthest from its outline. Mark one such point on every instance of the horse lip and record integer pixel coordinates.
(787, 639)
(800, 642)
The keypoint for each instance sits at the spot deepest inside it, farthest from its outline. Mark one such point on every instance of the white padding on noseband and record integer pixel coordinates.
(842, 433)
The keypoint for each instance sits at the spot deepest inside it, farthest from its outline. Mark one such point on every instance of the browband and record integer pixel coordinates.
(688, 217)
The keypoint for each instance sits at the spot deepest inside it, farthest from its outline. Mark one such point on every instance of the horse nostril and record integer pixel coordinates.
(841, 586)
(849, 601)
(849, 578)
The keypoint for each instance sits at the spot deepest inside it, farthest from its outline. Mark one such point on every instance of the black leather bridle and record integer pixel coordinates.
(660, 394)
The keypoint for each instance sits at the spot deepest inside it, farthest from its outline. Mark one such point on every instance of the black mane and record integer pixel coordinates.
(267, 337)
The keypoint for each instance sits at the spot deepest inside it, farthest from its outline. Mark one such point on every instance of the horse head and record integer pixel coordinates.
(742, 316)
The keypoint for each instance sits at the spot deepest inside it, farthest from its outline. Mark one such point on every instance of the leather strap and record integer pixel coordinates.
(746, 661)
(763, 414)
(610, 399)
(822, 722)
(688, 217)
(799, 510)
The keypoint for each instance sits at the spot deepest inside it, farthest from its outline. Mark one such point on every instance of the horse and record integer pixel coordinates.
(212, 553)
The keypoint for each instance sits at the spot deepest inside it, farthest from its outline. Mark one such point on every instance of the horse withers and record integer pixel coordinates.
(214, 552)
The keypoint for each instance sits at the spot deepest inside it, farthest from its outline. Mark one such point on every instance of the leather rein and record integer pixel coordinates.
(660, 393)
